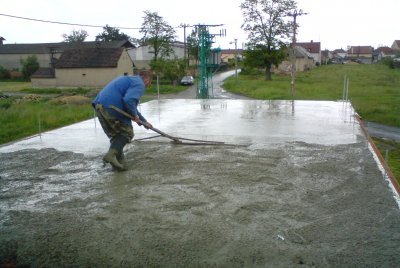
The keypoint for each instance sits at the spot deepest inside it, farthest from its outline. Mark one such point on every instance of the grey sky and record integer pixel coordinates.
(334, 23)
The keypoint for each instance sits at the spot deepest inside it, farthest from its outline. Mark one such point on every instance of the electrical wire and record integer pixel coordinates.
(67, 23)
(78, 24)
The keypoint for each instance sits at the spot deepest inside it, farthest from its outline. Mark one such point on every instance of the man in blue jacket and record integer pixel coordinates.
(123, 92)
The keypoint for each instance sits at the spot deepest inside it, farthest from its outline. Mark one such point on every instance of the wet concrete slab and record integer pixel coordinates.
(232, 121)
(299, 186)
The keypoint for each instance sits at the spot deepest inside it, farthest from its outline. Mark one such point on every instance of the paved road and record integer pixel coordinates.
(215, 88)
(382, 131)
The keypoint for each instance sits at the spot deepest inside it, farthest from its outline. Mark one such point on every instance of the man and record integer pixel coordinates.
(123, 92)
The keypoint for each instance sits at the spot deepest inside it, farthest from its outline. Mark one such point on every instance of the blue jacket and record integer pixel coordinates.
(123, 92)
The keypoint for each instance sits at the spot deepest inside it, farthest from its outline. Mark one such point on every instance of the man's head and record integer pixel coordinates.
(147, 77)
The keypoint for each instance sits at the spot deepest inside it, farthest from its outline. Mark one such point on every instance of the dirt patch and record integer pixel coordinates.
(199, 206)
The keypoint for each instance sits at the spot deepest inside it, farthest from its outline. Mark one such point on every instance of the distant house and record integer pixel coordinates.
(396, 45)
(143, 55)
(304, 62)
(384, 52)
(229, 54)
(340, 53)
(47, 53)
(361, 54)
(326, 56)
(314, 48)
(338, 56)
(85, 67)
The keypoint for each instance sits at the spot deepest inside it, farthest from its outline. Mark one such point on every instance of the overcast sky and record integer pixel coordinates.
(334, 23)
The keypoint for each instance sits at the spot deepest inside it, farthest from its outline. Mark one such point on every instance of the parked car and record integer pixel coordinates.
(187, 80)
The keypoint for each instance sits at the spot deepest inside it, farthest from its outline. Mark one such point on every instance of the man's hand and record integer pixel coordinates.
(136, 119)
(147, 125)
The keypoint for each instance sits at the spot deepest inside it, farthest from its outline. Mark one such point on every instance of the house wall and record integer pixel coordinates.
(13, 61)
(142, 56)
(302, 64)
(43, 82)
(395, 46)
(317, 57)
(93, 77)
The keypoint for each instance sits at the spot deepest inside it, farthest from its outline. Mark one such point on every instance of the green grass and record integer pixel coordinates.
(10, 86)
(19, 120)
(165, 89)
(392, 156)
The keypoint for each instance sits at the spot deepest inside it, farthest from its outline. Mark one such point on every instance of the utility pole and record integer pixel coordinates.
(184, 43)
(204, 70)
(236, 66)
(294, 14)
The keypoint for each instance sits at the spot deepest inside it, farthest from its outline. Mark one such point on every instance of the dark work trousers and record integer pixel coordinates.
(118, 133)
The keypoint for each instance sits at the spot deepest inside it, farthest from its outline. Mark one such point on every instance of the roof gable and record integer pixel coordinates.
(312, 47)
(360, 50)
(386, 50)
(90, 58)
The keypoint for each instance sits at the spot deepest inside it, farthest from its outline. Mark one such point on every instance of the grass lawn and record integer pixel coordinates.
(11, 86)
(374, 91)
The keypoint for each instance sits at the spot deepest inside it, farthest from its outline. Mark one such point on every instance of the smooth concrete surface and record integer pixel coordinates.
(233, 121)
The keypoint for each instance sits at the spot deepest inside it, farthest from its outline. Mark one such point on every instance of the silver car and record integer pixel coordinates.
(187, 80)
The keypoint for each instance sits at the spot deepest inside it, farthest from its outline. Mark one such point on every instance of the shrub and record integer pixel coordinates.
(29, 66)
(4, 73)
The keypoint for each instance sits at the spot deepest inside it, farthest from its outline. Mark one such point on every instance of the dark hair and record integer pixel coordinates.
(146, 74)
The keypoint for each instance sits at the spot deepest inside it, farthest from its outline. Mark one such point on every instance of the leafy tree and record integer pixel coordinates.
(76, 36)
(29, 66)
(268, 31)
(171, 69)
(158, 34)
(111, 34)
(192, 43)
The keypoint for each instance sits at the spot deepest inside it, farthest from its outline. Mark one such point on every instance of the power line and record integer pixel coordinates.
(66, 23)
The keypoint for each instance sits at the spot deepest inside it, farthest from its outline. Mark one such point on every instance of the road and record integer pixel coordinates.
(215, 90)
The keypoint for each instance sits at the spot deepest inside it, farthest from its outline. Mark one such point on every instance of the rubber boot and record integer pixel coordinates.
(118, 143)
(111, 157)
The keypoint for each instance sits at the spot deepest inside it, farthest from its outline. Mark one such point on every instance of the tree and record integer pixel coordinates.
(192, 43)
(29, 66)
(171, 69)
(268, 31)
(157, 34)
(76, 36)
(111, 34)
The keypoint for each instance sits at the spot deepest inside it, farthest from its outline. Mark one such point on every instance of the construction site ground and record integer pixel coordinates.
(295, 184)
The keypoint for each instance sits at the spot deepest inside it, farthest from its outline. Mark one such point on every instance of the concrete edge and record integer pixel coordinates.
(395, 184)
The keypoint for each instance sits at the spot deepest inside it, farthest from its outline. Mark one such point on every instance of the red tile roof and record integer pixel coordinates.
(312, 47)
(360, 50)
(385, 50)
